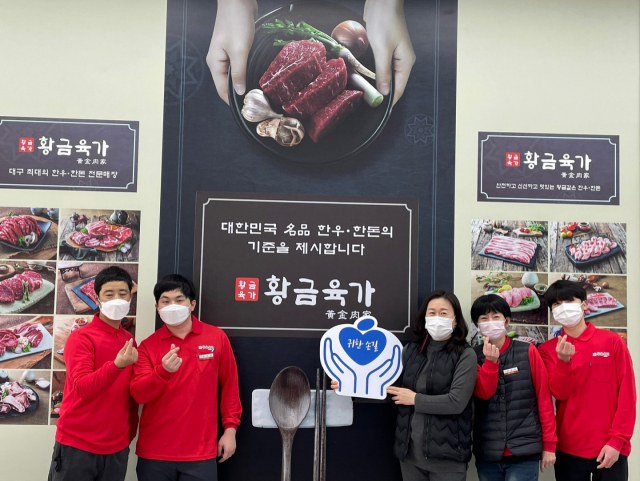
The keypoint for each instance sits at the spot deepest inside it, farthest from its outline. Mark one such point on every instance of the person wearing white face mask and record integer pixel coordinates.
(514, 422)
(180, 370)
(591, 376)
(98, 419)
(433, 429)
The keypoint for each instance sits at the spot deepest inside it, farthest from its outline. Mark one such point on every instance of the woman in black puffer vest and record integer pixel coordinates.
(433, 430)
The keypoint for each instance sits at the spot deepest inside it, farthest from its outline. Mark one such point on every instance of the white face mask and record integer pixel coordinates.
(494, 330)
(174, 314)
(115, 309)
(568, 314)
(439, 327)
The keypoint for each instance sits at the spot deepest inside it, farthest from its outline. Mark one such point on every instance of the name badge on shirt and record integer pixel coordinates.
(513, 370)
(206, 355)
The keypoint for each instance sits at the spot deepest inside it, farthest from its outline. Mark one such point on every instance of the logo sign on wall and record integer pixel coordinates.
(548, 168)
(362, 357)
(68, 154)
(294, 265)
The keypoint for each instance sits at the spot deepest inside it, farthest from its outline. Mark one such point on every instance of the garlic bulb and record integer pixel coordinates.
(287, 131)
(256, 107)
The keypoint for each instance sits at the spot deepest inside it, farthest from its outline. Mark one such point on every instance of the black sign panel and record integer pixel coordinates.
(552, 168)
(68, 154)
(295, 265)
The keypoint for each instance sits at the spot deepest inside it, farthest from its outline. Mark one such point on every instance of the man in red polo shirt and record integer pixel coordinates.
(591, 376)
(98, 418)
(179, 366)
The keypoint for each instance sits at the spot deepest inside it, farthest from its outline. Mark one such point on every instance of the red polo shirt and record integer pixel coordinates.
(97, 413)
(595, 393)
(180, 415)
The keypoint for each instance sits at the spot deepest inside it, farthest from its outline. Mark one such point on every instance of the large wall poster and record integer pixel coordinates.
(298, 265)
(210, 147)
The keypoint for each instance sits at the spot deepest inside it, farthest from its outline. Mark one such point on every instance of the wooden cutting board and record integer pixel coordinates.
(79, 306)
(528, 234)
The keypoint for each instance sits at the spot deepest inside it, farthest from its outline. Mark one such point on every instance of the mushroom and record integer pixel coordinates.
(286, 131)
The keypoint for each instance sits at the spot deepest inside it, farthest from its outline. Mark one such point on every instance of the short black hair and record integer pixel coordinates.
(112, 274)
(458, 339)
(174, 282)
(491, 303)
(564, 291)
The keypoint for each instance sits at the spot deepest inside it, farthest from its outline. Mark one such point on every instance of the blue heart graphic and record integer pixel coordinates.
(362, 348)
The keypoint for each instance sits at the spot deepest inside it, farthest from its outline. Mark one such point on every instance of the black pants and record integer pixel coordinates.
(575, 468)
(71, 464)
(154, 470)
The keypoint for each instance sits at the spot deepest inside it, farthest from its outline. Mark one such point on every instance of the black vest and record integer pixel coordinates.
(445, 436)
(510, 418)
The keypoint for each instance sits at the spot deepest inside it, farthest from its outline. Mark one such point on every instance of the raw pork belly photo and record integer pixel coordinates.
(511, 248)
(515, 296)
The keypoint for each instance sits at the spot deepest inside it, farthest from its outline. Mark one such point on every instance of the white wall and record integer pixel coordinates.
(86, 59)
(566, 66)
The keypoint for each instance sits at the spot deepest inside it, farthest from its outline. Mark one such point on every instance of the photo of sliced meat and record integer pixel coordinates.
(329, 84)
(6, 294)
(109, 241)
(328, 118)
(511, 248)
(80, 238)
(16, 285)
(122, 233)
(297, 64)
(14, 227)
(92, 242)
(98, 228)
(515, 296)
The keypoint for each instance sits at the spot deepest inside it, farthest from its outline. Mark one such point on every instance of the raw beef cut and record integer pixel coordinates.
(16, 285)
(6, 294)
(320, 92)
(109, 241)
(30, 281)
(516, 295)
(16, 226)
(98, 228)
(122, 234)
(599, 300)
(80, 238)
(297, 64)
(327, 118)
(92, 243)
(89, 291)
(35, 337)
(511, 248)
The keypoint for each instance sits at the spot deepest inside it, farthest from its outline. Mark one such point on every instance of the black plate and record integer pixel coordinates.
(592, 260)
(44, 227)
(353, 135)
(32, 406)
(85, 297)
(530, 265)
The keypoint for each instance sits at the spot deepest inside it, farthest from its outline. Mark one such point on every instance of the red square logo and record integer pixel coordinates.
(512, 159)
(247, 288)
(26, 144)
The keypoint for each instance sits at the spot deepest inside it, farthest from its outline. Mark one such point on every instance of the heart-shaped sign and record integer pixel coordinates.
(363, 348)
